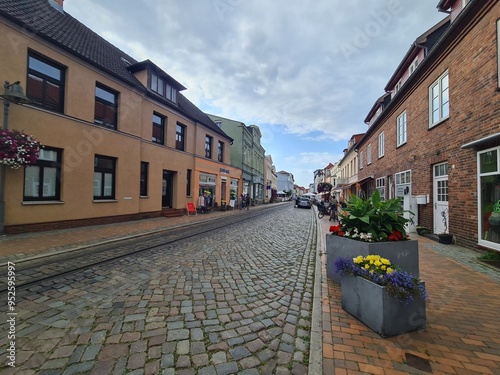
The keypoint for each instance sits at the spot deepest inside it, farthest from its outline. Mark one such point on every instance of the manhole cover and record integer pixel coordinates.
(418, 362)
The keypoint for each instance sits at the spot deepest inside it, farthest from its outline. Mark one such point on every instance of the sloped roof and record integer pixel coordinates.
(425, 41)
(61, 29)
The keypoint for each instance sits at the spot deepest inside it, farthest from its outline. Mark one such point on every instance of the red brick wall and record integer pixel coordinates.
(474, 114)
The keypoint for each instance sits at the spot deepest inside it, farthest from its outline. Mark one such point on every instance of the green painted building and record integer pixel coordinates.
(247, 154)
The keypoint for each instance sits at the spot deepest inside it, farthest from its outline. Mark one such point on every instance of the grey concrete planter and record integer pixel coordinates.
(372, 305)
(401, 253)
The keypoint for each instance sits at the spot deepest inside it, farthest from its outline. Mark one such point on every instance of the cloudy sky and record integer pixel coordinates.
(306, 72)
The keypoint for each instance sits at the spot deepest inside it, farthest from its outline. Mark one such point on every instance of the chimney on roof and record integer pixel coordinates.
(57, 4)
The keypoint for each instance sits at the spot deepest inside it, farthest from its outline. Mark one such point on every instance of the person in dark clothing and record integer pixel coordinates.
(247, 201)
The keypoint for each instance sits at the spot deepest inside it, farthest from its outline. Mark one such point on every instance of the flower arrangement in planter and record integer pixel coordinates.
(400, 284)
(383, 297)
(18, 149)
(371, 226)
(372, 220)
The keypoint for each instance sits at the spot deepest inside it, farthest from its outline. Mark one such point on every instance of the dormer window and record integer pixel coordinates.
(163, 88)
(398, 86)
(414, 65)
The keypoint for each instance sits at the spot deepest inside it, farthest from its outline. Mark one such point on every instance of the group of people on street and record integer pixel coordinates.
(333, 205)
(204, 202)
(244, 201)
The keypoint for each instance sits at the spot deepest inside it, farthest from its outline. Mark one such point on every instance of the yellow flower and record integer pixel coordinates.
(389, 270)
(358, 259)
(385, 261)
(378, 263)
(367, 266)
(383, 268)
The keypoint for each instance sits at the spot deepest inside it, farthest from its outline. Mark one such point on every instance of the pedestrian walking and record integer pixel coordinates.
(247, 201)
(202, 203)
(333, 209)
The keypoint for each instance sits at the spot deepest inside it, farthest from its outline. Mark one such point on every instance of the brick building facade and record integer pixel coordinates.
(439, 135)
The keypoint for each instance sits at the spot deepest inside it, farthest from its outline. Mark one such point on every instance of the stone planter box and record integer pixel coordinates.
(372, 305)
(401, 253)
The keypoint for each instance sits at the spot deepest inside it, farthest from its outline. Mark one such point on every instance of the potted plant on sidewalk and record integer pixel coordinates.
(421, 230)
(445, 237)
(372, 226)
(387, 299)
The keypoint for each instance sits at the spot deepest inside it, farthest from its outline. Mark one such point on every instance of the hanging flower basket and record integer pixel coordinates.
(18, 149)
(324, 187)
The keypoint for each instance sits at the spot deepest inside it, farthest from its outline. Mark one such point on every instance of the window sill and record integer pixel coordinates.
(34, 203)
(432, 126)
(144, 197)
(104, 201)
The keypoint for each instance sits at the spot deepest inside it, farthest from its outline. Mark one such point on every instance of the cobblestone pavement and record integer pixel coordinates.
(238, 301)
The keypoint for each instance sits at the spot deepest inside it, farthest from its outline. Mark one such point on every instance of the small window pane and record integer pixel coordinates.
(47, 155)
(105, 95)
(108, 184)
(488, 162)
(154, 82)
(49, 182)
(161, 86)
(31, 181)
(97, 184)
(44, 68)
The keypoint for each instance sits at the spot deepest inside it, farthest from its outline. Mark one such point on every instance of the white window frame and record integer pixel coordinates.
(381, 145)
(485, 242)
(369, 154)
(380, 186)
(401, 179)
(413, 65)
(401, 129)
(443, 101)
(361, 160)
(398, 86)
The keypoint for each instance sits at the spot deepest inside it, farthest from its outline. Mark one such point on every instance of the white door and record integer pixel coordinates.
(440, 190)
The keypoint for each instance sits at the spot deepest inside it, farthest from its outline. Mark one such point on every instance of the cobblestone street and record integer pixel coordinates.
(236, 301)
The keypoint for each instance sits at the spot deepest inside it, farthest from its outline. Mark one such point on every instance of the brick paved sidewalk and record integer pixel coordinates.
(462, 334)
(28, 245)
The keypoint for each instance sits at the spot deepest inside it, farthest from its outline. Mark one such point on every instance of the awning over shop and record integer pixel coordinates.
(482, 141)
(365, 180)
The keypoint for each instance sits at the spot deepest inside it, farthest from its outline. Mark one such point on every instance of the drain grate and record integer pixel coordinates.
(418, 362)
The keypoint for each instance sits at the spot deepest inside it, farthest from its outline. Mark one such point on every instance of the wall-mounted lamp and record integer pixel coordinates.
(12, 93)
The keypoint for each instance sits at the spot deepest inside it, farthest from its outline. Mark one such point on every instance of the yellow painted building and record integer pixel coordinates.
(120, 140)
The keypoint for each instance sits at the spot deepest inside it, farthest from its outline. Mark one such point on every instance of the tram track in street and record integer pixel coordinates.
(37, 273)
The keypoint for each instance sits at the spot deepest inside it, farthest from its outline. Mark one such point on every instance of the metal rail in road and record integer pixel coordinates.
(38, 272)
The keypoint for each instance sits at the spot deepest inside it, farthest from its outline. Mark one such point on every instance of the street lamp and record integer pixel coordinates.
(12, 93)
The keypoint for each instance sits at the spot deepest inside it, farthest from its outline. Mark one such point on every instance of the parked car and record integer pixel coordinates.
(304, 203)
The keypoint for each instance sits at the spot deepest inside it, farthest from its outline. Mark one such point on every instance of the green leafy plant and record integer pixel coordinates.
(490, 255)
(373, 219)
(421, 230)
